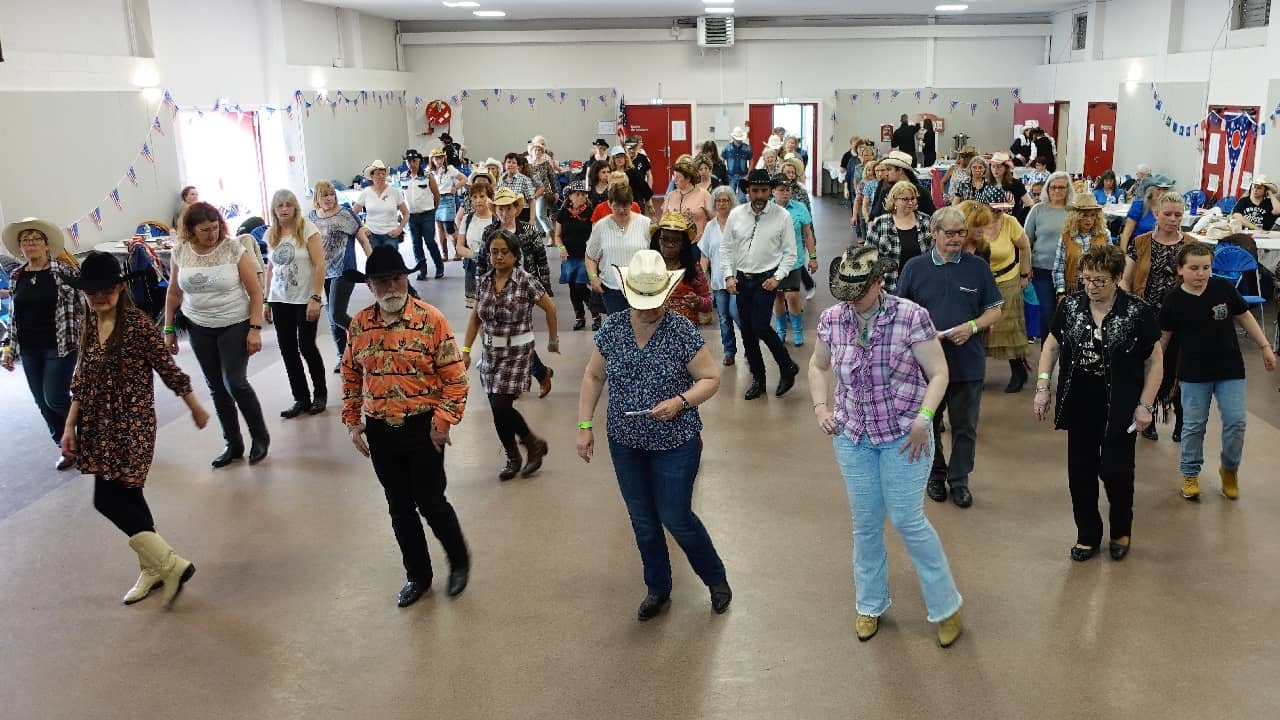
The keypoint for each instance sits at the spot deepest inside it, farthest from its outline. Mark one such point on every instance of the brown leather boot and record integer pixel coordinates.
(537, 449)
(513, 464)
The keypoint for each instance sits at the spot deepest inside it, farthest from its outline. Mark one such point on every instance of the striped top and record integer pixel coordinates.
(408, 368)
(610, 245)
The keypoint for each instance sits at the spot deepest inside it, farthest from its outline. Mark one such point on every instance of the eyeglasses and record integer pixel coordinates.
(956, 233)
(1096, 281)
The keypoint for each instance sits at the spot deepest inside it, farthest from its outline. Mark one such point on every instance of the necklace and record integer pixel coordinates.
(864, 327)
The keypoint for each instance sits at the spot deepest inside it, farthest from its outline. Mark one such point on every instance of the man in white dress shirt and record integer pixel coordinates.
(759, 250)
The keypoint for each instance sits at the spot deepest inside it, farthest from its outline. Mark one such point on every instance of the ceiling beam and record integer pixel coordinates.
(559, 37)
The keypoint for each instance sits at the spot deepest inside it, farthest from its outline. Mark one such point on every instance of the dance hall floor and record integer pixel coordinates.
(292, 612)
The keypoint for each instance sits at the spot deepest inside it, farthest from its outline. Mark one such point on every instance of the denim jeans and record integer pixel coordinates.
(469, 280)
(377, 240)
(727, 311)
(422, 226)
(657, 487)
(49, 378)
(614, 301)
(542, 207)
(1042, 283)
(881, 480)
(339, 293)
(1196, 398)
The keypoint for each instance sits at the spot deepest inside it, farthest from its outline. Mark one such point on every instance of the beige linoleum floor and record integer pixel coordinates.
(292, 614)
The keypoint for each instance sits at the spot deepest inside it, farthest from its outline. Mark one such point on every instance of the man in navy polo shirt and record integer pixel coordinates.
(961, 296)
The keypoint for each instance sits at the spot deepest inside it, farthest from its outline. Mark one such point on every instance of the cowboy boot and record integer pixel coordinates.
(780, 326)
(797, 328)
(172, 568)
(149, 580)
(537, 449)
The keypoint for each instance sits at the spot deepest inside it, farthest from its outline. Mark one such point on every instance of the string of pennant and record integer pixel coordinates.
(1244, 123)
(928, 96)
(511, 97)
(303, 104)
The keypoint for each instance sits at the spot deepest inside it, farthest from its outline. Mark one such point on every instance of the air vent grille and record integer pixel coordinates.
(715, 31)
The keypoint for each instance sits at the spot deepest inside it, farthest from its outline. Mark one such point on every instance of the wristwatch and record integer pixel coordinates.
(1149, 408)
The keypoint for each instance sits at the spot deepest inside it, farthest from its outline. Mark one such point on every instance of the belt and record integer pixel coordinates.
(756, 276)
(501, 341)
(399, 421)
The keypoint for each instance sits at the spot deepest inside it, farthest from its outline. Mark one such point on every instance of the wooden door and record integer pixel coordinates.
(1099, 139)
(1231, 139)
(759, 127)
(665, 130)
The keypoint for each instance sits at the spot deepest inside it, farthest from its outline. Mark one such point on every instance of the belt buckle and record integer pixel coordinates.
(395, 421)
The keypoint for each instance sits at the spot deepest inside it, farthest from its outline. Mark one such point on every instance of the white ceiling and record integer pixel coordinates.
(542, 9)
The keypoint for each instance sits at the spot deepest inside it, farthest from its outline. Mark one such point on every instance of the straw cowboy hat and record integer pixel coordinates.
(898, 159)
(646, 281)
(968, 150)
(375, 165)
(51, 232)
(685, 167)
(1084, 201)
(538, 141)
(1266, 182)
(738, 134)
(436, 152)
(853, 272)
(507, 196)
(673, 221)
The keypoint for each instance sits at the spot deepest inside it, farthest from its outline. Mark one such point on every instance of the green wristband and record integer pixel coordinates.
(926, 413)
(585, 425)
(974, 324)
(170, 330)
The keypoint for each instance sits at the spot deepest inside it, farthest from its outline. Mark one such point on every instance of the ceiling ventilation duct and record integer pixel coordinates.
(715, 31)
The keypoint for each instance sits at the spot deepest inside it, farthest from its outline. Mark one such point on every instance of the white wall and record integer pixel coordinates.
(340, 144)
(311, 33)
(378, 41)
(1129, 27)
(92, 28)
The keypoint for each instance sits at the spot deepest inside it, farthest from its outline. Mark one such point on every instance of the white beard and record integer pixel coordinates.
(393, 304)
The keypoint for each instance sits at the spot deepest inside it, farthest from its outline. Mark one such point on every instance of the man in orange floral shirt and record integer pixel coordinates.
(404, 386)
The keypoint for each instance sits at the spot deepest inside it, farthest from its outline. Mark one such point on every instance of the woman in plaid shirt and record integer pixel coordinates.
(505, 298)
(890, 376)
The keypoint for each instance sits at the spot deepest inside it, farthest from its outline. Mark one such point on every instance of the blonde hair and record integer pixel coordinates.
(869, 170)
(618, 178)
(900, 188)
(796, 163)
(323, 187)
(273, 233)
(1168, 196)
(1071, 227)
(977, 216)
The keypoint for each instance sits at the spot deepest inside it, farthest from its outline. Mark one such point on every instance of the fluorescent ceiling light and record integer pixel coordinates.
(489, 13)
(717, 2)
(719, 10)
(951, 8)
(463, 4)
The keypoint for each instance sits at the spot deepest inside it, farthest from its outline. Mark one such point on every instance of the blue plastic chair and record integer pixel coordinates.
(1195, 197)
(1226, 205)
(154, 228)
(1233, 263)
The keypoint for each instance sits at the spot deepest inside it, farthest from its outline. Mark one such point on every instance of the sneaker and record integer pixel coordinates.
(1230, 483)
(866, 626)
(811, 292)
(1191, 488)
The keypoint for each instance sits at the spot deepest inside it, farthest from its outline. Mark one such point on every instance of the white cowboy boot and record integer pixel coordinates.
(172, 568)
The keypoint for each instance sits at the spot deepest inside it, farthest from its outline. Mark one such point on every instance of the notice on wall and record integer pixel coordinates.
(606, 127)
(678, 131)
(1246, 179)
(1104, 142)
(1090, 132)
(1034, 123)
(1215, 144)
(1212, 183)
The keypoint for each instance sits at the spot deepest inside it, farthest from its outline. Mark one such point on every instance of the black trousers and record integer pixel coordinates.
(755, 312)
(583, 300)
(1094, 455)
(224, 361)
(123, 505)
(507, 420)
(962, 402)
(297, 337)
(411, 471)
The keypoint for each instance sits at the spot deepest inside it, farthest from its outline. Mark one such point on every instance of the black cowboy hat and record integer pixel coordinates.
(412, 153)
(758, 176)
(383, 261)
(99, 271)
(601, 142)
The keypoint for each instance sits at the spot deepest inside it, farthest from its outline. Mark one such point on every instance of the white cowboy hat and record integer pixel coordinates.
(897, 158)
(53, 233)
(1266, 182)
(375, 165)
(738, 134)
(646, 282)
(773, 143)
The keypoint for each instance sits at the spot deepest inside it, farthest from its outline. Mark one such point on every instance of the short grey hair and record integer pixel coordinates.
(726, 191)
(950, 213)
(1064, 177)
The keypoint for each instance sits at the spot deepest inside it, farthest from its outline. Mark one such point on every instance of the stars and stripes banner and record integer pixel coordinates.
(583, 103)
(917, 95)
(96, 216)
(155, 125)
(995, 103)
(74, 232)
(132, 175)
(485, 103)
(115, 198)
(146, 153)
(621, 125)
(1017, 94)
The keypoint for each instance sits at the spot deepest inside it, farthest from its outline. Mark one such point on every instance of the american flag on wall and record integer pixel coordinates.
(115, 198)
(146, 153)
(96, 217)
(622, 127)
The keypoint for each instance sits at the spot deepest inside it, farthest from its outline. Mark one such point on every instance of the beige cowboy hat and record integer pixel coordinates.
(773, 143)
(538, 141)
(646, 281)
(738, 134)
(673, 221)
(1267, 183)
(436, 152)
(968, 150)
(899, 159)
(853, 272)
(1084, 201)
(375, 165)
(507, 196)
(52, 233)
(1001, 158)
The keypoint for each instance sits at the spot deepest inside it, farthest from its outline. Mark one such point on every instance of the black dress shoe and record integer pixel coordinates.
(652, 607)
(756, 390)
(317, 405)
(961, 496)
(721, 596)
(579, 323)
(1080, 554)
(411, 592)
(230, 454)
(458, 581)
(439, 274)
(294, 410)
(258, 452)
(937, 488)
(1118, 551)
(422, 276)
(788, 381)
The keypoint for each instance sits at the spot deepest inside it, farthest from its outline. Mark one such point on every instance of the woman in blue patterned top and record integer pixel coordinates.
(659, 371)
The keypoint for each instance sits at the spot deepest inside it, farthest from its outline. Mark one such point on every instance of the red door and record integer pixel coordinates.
(1099, 139)
(665, 130)
(1231, 138)
(759, 127)
(1042, 115)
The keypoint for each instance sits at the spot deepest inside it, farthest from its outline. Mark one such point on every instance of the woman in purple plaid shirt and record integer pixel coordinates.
(890, 376)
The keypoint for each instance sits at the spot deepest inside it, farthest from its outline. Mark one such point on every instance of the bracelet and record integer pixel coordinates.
(317, 298)
(1042, 389)
(592, 276)
(1045, 376)
(926, 413)
(1148, 407)
(815, 405)
(553, 341)
(813, 256)
(584, 425)
(466, 349)
(168, 330)
(561, 248)
(684, 400)
(974, 324)
(254, 327)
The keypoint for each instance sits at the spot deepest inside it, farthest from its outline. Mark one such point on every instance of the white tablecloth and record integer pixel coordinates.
(1122, 209)
(120, 248)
